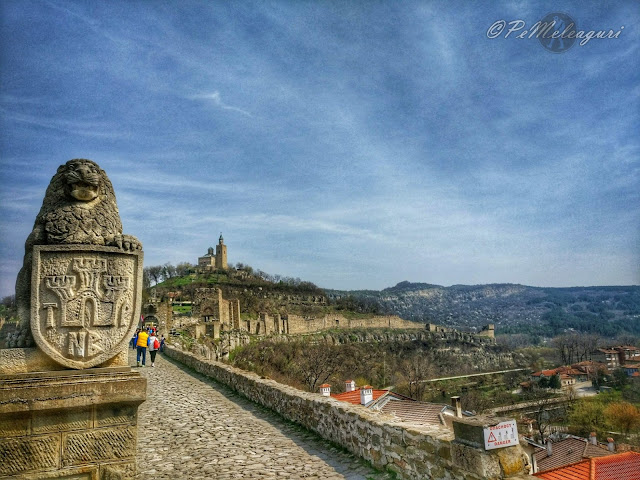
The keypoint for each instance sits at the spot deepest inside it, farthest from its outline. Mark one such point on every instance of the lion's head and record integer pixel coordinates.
(83, 180)
(79, 181)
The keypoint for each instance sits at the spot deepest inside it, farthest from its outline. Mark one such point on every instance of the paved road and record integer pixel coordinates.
(471, 375)
(584, 389)
(193, 428)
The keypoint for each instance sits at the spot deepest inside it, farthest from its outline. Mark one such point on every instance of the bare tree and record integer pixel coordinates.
(586, 346)
(415, 370)
(546, 410)
(566, 346)
(317, 364)
(184, 268)
(154, 273)
(168, 271)
(575, 347)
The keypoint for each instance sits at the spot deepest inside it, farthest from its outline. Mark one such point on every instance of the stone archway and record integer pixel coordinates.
(150, 321)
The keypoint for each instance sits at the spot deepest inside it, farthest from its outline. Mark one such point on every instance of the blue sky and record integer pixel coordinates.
(352, 144)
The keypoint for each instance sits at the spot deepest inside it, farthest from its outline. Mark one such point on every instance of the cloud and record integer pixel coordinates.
(217, 100)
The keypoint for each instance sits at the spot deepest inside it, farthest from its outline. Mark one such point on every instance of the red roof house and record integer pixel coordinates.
(621, 466)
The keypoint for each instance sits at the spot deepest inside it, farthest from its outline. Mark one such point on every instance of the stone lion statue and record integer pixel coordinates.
(79, 207)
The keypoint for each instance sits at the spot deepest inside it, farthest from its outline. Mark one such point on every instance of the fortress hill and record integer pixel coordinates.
(217, 299)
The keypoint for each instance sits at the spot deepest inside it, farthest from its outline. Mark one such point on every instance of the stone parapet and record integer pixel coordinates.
(70, 424)
(411, 452)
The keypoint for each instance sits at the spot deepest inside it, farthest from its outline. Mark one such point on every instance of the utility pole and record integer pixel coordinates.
(384, 369)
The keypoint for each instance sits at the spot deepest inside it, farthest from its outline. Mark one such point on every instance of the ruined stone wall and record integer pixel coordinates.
(488, 331)
(161, 313)
(287, 298)
(385, 335)
(412, 452)
(298, 324)
(209, 306)
(219, 350)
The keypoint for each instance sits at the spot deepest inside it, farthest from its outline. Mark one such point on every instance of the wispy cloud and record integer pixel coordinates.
(89, 128)
(216, 99)
(394, 142)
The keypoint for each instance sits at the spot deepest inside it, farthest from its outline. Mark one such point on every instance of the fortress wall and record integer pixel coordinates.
(412, 452)
(299, 324)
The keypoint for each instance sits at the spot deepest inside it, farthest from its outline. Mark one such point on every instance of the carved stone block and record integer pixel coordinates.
(61, 421)
(77, 473)
(98, 445)
(120, 414)
(28, 453)
(15, 425)
(84, 302)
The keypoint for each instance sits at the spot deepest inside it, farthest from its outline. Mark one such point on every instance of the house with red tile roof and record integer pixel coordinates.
(621, 466)
(608, 356)
(419, 413)
(564, 450)
(566, 381)
(544, 373)
(628, 354)
(567, 375)
(403, 408)
(365, 395)
(590, 368)
(632, 369)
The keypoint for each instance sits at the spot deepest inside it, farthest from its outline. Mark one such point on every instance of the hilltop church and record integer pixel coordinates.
(214, 261)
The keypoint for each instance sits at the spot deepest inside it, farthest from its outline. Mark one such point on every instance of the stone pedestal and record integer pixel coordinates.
(71, 424)
(78, 297)
(468, 451)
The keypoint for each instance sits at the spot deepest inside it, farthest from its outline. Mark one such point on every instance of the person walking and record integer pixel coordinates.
(154, 346)
(134, 339)
(141, 344)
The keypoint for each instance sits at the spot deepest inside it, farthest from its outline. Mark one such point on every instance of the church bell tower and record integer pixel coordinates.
(221, 254)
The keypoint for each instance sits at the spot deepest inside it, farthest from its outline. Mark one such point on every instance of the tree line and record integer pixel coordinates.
(160, 273)
(241, 273)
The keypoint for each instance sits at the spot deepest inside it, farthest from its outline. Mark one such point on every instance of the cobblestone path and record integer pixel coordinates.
(191, 427)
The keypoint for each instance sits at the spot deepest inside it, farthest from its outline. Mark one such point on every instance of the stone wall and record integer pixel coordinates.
(412, 452)
(221, 347)
(298, 324)
(64, 424)
(210, 306)
(160, 313)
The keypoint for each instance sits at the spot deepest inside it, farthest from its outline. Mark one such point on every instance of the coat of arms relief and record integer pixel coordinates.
(84, 302)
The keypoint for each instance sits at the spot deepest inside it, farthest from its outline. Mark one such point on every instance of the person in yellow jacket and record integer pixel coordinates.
(142, 341)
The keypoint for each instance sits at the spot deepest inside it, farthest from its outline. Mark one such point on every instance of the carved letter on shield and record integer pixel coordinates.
(85, 301)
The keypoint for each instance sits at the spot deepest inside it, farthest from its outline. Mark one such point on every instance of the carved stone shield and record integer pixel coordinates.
(85, 302)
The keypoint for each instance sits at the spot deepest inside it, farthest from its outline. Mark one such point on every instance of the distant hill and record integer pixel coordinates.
(607, 311)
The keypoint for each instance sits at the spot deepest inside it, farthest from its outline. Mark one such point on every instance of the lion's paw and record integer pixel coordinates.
(128, 243)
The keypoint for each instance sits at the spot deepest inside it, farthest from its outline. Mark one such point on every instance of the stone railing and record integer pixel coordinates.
(412, 452)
